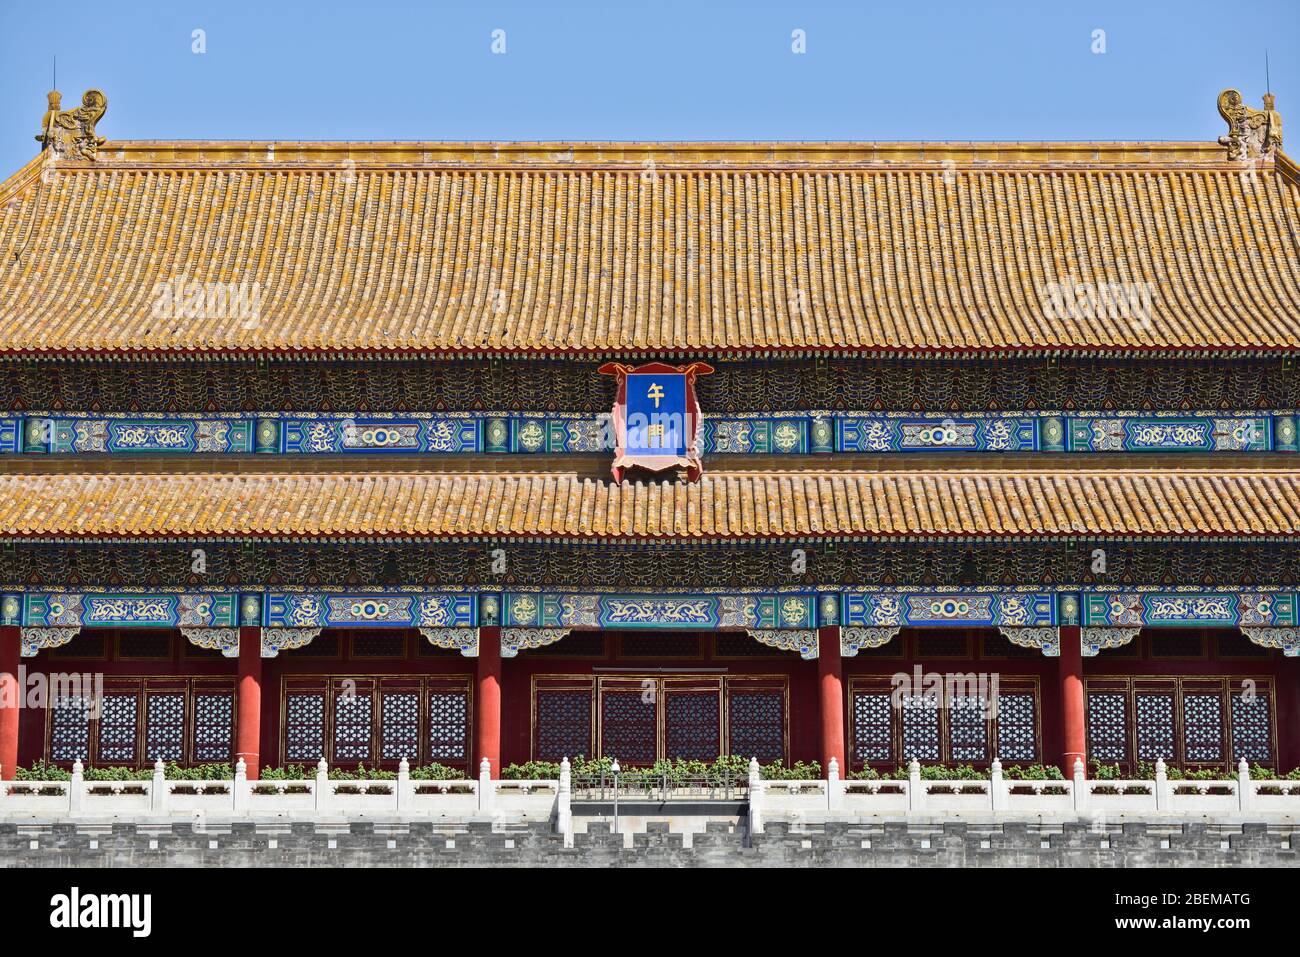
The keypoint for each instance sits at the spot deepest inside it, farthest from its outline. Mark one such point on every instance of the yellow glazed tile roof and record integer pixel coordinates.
(658, 248)
(996, 502)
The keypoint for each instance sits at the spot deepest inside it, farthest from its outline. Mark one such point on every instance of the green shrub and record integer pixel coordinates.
(438, 772)
(1032, 772)
(41, 771)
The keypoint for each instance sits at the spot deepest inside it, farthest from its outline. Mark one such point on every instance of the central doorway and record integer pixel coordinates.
(644, 719)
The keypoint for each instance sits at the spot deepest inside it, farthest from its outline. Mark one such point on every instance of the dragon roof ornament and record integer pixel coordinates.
(71, 133)
(1251, 133)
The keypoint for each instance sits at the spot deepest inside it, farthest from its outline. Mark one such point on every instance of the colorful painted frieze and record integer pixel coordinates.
(1171, 434)
(558, 433)
(882, 434)
(949, 609)
(51, 609)
(390, 610)
(1174, 609)
(720, 611)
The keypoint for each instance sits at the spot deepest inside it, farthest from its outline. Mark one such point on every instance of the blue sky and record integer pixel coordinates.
(387, 69)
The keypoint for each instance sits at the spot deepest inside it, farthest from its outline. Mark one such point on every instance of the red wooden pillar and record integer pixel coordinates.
(248, 726)
(1071, 671)
(11, 699)
(488, 704)
(830, 676)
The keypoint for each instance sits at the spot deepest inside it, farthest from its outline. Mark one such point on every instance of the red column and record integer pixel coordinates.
(248, 727)
(830, 676)
(1071, 665)
(488, 703)
(11, 699)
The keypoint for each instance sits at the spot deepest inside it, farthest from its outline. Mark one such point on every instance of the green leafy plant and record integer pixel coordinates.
(42, 771)
(1032, 772)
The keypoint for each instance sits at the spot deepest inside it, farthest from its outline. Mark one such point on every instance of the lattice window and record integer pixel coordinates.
(305, 726)
(691, 725)
(580, 644)
(733, 644)
(399, 734)
(872, 727)
(154, 644)
(379, 644)
(324, 645)
(1017, 726)
(1155, 725)
(164, 726)
(70, 730)
(563, 724)
(628, 726)
(448, 726)
(1108, 726)
(352, 724)
(1203, 728)
(942, 644)
(920, 727)
(1233, 644)
(669, 645)
(91, 644)
(118, 722)
(1252, 728)
(995, 645)
(1178, 645)
(214, 725)
(968, 728)
(756, 724)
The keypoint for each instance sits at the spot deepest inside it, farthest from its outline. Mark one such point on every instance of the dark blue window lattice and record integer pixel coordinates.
(448, 726)
(1203, 728)
(1108, 726)
(1017, 726)
(70, 730)
(756, 724)
(920, 728)
(563, 724)
(1252, 728)
(1155, 725)
(164, 723)
(305, 726)
(691, 725)
(399, 735)
(118, 717)
(872, 728)
(968, 728)
(213, 725)
(352, 717)
(627, 722)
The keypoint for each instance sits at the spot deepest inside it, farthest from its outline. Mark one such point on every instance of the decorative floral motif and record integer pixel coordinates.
(276, 640)
(1287, 639)
(1094, 640)
(802, 640)
(515, 640)
(33, 640)
(464, 640)
(1046, 640)
(853, 640)
(225, 640)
